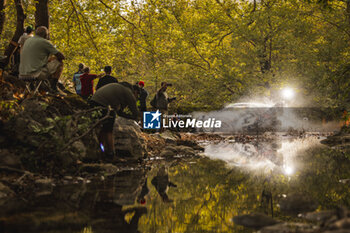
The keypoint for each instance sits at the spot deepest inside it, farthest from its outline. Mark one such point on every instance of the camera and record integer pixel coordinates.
(169, 84)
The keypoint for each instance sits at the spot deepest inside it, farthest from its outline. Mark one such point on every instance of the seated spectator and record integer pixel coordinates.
(107, 79)
(87, 83)
(35, 62)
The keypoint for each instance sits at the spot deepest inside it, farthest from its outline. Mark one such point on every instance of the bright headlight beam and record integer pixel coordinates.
(288, 170)
(287, 93)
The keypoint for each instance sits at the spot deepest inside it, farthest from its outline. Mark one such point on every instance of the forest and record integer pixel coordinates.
(66, 167)
(213, 51)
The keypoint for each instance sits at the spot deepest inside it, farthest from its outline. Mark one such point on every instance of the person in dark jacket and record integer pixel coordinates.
(107, 79)
(117, 96)
(143, 96)
(162, 98)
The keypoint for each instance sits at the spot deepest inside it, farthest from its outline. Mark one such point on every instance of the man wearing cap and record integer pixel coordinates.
(35, 62)
(107, 79)
(142, 97)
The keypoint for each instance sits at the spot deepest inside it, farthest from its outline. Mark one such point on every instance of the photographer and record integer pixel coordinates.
(162, 98)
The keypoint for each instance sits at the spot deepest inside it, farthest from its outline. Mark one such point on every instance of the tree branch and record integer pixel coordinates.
(88, 131)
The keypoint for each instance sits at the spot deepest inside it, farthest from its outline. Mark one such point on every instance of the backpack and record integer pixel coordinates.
(154, 101)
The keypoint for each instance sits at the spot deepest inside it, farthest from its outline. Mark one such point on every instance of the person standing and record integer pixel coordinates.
(76, 79)
(143, 96)
(87, 83)
(107, 79)
(162, 99)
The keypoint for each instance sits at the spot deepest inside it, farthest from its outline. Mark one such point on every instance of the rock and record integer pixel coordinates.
(336, 140)
(185, 150)
(172, 151)
(80, 149)
(5, 191)
(190, 143)
(341, 224)
(338, 231)
(167, 153)
(255, 221)
(68, 177)
(128, 140)
(169, 136)
(43, 186)
(289, 228)
(105, 168)
(9, 159)
(320, 216)
(297, 203)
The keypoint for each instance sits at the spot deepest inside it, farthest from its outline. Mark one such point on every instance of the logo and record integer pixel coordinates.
(151, 120)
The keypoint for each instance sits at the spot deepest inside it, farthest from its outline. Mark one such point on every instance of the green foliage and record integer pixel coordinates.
(8, 109)
(213, 51)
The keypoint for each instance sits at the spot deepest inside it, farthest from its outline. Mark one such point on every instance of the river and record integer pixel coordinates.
(191, 194)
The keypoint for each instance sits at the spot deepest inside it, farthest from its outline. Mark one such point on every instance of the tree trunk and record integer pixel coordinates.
(348, 12)
(2, 14)
(42, 13)
(18, 33)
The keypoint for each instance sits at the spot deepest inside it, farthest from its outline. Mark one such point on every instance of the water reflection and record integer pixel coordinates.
(102, 206)
(277, 153)
(162, 183)
(208, 195)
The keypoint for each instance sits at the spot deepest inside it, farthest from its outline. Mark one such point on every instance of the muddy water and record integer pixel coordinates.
(191, 195)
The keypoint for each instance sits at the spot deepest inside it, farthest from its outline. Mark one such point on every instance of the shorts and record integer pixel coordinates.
(107, 124)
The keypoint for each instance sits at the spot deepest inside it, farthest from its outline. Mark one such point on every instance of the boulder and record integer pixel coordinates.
(169, 136)
(297, 203)
(172, 151)
(338, 231)
(9, 159)
(103, 168)
(128, 140)
(43, 186)
(341, 224)
(79, 148)
(5, 191)
(255, 221)
(289, 228)
(320, 216)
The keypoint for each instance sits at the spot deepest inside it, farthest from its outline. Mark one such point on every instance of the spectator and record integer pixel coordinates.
(76, 79)
(28, 34)
(35, 62)
(87, 83)
(162, 99)
(118, 96)
(107, 79)
(143, 96)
